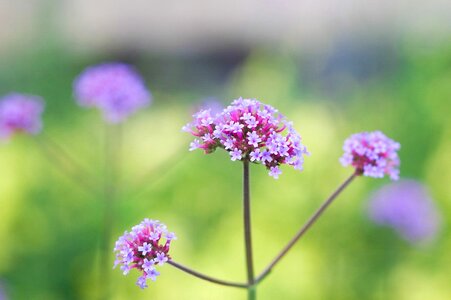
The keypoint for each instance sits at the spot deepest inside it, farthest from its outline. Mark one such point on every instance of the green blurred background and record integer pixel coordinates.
(334, 68)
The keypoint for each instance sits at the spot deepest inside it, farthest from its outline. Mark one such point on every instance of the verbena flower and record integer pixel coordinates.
(3, 295)
(249, 130)
(114, 88)
(20, 113)
(145, 247)
(407, 207)
(212, 103)
(372, 154)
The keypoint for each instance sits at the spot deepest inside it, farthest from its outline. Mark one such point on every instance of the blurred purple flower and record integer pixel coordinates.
(407, 207)
(143, 249)
(211, 103)
(20, 113)
(372, 154)
(249, 130)
(114, 88)
(3, 295)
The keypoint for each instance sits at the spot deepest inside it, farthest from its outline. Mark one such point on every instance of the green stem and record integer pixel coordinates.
(206, 277)
(247, 231)
(153, 177)
(304, 228)
(252, 293)
(58, 157)
(112, 147)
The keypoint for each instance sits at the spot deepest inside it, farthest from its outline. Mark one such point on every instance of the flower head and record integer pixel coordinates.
(372, 154)
(212, 103)
(249, 130)
(114, 88)
(3, 295)
(146, 246)
(20, 113)
(407, 207)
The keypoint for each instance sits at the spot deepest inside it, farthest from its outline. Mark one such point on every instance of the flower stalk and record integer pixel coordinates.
(248, 231)
(112, 146)
(152, 177)
(206, 277)
(305, 228)
(58, 157)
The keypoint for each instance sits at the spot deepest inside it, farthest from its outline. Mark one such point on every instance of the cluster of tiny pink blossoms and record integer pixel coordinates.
(249, 130)
(145, 247)
(372, 154)
(20, 113)
(114, 88)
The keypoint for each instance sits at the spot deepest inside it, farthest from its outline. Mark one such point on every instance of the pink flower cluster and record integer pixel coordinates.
(145, 247)
(114, 88)
(20, 113)
(249, 130)
(372, 154)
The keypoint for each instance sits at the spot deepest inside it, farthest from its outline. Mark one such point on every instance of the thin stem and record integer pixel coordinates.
(252, 292)
(58, 157)
(304, 228)
(112, 147)
(206, 277)
(154, 175)
(247, 230)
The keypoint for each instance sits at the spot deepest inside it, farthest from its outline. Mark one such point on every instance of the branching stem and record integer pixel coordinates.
(304, 228)
(206, 277)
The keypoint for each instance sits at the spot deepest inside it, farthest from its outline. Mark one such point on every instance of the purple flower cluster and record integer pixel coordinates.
(212, 103)
(20, 113)
(372, 154)
(114, 88)
(145, 247)
(3, 295)
(406, 207)
(249, 130)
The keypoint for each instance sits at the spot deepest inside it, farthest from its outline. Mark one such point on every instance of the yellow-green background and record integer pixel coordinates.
(50, 228)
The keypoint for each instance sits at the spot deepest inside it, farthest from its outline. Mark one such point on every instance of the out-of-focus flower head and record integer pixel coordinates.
(372, 154)
(144, 248)
(2, 292)
(249, 130)
(114, 88)
(407, 207)
(20, 113)
(212, 103)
